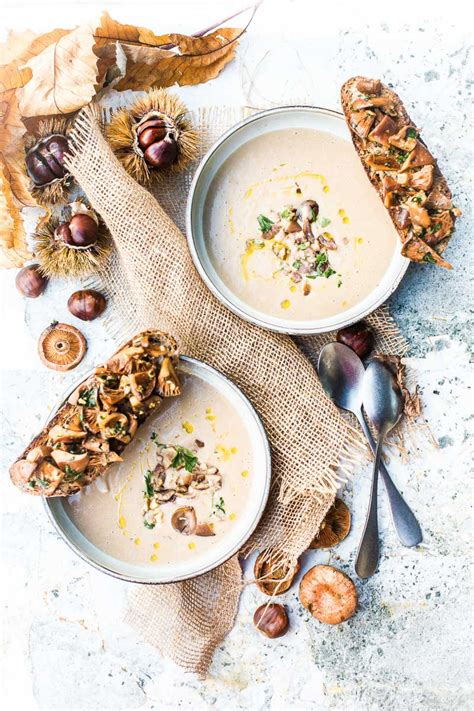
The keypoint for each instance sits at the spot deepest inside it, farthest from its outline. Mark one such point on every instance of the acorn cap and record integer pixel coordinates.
(329, 594)
(273, 577)
(335, 526)
(61, 346)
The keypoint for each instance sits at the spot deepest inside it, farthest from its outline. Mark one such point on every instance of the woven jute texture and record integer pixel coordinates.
(151, 282)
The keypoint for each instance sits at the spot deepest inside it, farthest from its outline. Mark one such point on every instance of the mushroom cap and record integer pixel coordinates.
(272, 577)
(329, 594)
(335, 526)
(184, 520)
(61, 346)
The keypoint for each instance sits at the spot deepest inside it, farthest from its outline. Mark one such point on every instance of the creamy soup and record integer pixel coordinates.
(273, 174)
(111, 512)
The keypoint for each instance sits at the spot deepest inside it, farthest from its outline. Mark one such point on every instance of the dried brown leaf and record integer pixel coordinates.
(12, 131)
(19, 48)
(64, 75)
(13, 249)
(194, 60)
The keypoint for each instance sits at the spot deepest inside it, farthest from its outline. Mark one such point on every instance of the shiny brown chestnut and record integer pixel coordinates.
(30, 282)
(81, 231)
(87, 304)
(162, 154)
(271, 620)
(45, 160)
(359, 337)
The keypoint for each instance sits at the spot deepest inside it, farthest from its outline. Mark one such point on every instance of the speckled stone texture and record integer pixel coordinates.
(65, 646)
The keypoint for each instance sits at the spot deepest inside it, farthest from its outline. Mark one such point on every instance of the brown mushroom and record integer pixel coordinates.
(368, 86)
(96, 444)
(272, 577)
(61, 346)
(334, 528)
(37, 454)
(418, 250)
(329, 594)
(184, 520)
(22, 471)
(168, 380)
(361, 122)
(418, 157)
(68, 461)
(61, 434)
(114, 425)
(404, 139)
(204, 529)
(442, 226)
(383, 130)
(142, 383)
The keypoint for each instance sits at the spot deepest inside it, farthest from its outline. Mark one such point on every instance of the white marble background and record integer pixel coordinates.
(409, 647)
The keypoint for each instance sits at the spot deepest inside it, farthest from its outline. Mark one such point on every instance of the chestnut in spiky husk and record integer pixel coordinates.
(153, 136)
(44, 161)
(76, 245)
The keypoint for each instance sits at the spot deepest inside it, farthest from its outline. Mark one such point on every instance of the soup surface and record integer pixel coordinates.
(274, 173)
(110, 512)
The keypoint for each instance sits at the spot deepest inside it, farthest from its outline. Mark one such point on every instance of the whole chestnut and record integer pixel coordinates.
(84, 230)
(30, 282)
(81, 231)
(86, 304)
(271, 620)
(162, 154)
(45, 160)
(359, 337)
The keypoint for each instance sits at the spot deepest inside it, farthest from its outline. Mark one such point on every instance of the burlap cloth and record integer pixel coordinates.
(151, 282)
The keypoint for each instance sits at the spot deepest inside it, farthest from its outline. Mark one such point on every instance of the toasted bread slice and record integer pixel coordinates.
(90, 431)
(401, 169)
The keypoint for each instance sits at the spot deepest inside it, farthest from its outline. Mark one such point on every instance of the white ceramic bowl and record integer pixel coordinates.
(224, 548)
(266, 121)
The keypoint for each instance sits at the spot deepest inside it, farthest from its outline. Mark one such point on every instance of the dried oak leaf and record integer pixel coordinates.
(12, 131)
(64, 75)
(13, 250)
(193, 60)
(19, 48)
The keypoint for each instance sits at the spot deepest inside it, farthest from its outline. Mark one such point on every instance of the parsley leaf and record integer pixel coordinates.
(184, 457)
(264, 223)
(220, 506)
(71, 474)
(285, 214)
(87, 398)
(148, 485)
(411, 133)
(148, 525)
(154, 438)
(323, 221)
(429, 258)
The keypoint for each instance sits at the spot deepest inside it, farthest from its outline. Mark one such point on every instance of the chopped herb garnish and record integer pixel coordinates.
(220, 506)
(148, 525)
(184, 457)
(119, 428)
(71, 474)
(286, 213)
(297, 264)
(154, 438)
(87, 398)
(43, 483)
(339, 283)
(149, 491)
(303, 245)
(411, 133)
(436, 227)
(417, 198)
(429, 258)
(264, 223)
(400, 156)
(329, 272)
(323, 221)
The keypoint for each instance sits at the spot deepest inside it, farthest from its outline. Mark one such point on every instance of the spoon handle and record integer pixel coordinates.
(369, 548)
(407, 527)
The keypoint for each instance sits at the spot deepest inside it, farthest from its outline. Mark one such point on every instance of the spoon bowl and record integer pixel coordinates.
(382, 397)
(341, 373)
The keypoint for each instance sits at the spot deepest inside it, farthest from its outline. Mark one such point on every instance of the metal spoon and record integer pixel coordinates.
(383, 403)
(341, 372)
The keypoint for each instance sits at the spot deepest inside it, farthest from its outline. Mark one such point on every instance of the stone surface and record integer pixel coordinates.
(65, 646)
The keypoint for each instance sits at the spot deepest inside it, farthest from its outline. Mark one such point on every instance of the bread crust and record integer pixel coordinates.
(409, 237)
(32, 481)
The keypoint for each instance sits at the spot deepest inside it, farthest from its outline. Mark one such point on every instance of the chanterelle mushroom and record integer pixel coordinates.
(168, 380)
(61, 346)
(335, 526)
(329, 594)
(184, 520)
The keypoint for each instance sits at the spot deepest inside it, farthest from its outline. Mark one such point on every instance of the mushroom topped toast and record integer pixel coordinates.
(401, 168)
(91, 430)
